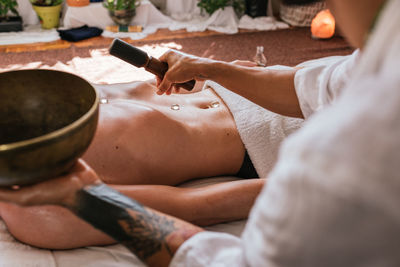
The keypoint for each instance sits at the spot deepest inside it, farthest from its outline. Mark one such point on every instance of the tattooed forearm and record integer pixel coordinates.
(147, 232)
(142, 230)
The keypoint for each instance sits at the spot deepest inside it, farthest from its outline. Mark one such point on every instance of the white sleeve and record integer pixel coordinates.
(210, 249)
(339, 209)
(319, 82)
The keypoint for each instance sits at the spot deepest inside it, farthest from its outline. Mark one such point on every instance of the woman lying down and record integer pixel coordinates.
(147, 144)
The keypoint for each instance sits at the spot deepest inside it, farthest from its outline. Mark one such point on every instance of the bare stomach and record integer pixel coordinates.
(143, 138)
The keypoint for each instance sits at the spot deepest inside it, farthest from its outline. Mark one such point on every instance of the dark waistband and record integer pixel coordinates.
(247, 170)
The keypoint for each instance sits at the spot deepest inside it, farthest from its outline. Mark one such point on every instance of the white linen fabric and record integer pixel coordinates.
(27, 13)
(187, 16)
(332, 198)
(182, 9)
(95, 15)
(31, 34)
(222, 20)
(261, 23)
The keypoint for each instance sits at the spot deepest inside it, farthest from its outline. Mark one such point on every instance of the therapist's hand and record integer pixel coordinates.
(181, 68)
(58, 191)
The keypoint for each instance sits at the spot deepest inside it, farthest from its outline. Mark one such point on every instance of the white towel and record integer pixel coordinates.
(261, 131)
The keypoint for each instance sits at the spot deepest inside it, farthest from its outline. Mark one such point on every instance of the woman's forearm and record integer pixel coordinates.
(222, 202)
(207, 205)
(271, 89)
(166, 199)
(152, 236)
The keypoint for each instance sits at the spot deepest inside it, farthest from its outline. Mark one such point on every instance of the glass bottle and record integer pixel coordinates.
(259, 58)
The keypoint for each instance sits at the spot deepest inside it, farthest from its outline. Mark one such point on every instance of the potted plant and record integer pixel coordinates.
(121, 11)
(9, 23)
(48, 12)
(210, 6)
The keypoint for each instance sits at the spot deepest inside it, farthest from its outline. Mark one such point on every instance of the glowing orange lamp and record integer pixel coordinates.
(323, 25)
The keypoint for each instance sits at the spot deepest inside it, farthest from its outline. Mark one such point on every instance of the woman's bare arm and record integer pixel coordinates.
(207, 205)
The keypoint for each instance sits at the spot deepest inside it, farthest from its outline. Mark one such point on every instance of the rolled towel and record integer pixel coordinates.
(261, 130)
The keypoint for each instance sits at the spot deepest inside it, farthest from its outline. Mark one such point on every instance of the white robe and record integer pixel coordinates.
(333, 197)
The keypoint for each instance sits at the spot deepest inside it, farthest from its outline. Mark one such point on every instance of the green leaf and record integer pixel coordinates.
(7, 6)
(113, 5)
(46, 2)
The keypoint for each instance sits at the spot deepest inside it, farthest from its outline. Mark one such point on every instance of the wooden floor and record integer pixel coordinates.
(161, 34)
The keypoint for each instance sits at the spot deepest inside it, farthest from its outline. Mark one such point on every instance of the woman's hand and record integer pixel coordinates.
(58, 191)
(181, 68)
(244, 63)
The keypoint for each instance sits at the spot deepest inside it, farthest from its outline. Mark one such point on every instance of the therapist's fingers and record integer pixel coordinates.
(169, 92)
(158, 81)
(164, 86)
(177, 89)
(173, 89)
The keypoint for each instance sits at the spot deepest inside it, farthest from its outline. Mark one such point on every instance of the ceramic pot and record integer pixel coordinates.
(78, 2)
(122, 17)
(49, 16)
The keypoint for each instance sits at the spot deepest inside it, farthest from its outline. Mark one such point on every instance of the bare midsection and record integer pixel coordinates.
(165, 139)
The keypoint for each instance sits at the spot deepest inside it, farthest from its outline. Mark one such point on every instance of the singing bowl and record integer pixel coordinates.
(47, 121)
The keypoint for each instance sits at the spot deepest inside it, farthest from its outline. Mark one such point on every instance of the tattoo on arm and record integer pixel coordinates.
(141, 230)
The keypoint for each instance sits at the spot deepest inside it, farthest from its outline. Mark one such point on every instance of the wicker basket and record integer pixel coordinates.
(300, 15)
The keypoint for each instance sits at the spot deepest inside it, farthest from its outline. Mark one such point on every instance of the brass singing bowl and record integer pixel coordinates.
(47, 121)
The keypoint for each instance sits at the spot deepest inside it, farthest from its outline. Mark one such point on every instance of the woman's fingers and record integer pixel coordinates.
(58, 191)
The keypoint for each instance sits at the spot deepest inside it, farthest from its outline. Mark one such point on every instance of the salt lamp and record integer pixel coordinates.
(323, 25)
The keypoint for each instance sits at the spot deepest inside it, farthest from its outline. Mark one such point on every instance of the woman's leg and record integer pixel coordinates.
(55, 227)
(50, 227)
